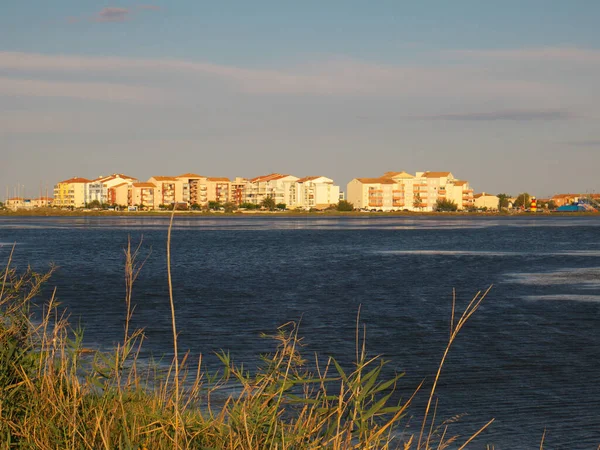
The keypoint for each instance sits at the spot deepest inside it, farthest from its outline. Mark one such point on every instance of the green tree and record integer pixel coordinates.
(445, 205)
(503, 201)
(214, 205)
(551, 205)
(195, 207)
(522, 201)
(268, 203)
(94, 204)
(417, 202)
(281, 206)
(249, 205)
(345, 205)
(229, 207)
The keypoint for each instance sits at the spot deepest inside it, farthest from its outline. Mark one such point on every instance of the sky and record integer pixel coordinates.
(503, 94)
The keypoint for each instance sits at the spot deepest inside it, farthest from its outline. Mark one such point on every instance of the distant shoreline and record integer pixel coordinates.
(51, 212)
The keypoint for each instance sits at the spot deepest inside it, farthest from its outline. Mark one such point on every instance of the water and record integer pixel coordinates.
(528, 358)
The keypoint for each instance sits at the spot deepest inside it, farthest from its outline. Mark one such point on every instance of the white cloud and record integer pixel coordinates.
(337, 77)
(109, 92)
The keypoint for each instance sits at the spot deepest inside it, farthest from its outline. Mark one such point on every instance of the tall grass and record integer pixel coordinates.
(54, 393)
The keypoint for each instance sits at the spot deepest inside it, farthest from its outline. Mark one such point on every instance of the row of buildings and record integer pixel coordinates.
(393, 191)
(192, 189)
(390, 192)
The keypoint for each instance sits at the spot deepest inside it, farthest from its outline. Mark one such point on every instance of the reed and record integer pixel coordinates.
(55, 393)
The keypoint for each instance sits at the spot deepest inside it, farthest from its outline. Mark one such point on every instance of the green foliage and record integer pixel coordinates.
(249, 206)
(345, 205)
(503, 201)
(417, 202)
(56, 394)
(215, 206)
(94, 204)
(281, 206)
(445, 205)
(268, 203)
(522, 201)
(551, 205)
(229, 207)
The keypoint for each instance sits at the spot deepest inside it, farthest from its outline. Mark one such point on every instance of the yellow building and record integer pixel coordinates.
(395, 191)
(70, 193)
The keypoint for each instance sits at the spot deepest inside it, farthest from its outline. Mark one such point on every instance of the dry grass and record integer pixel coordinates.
(54, 393)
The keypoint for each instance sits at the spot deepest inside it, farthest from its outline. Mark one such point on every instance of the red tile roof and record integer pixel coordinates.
(75, 180)
(144, 185)
(302, 180)
(265, 178)
(218, 179)
(190, 175)
(436, 174)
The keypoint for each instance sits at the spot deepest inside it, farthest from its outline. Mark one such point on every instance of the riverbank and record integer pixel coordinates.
(55, 212)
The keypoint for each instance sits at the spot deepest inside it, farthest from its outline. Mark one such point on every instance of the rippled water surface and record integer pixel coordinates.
(530, 357)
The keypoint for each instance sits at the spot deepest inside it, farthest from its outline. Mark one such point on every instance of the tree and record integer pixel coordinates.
(502, 201)
(94, 204)
(445, 205)
(248, 205)
(195, 207)
(214, 205)
(345, 205)
(229, 207)
(523, 201)
(417, 202)
(551, 205)
(281, 206)
(1, 205)
(268, 203)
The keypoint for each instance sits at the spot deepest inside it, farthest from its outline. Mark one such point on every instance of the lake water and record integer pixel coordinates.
(530, 357)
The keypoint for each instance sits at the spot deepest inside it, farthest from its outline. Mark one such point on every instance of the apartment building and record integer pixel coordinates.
(119, 194)
(98, 189)
(193, 189)
(396, 191)
(71, 193)
(274, 185)
(169, 190)
(314, 192)
(143, 195)
(218, 189)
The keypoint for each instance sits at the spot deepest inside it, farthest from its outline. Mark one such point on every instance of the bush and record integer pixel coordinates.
(444, 205)
(345, 205)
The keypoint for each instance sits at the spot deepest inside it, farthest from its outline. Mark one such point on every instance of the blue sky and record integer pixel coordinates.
(504, 94)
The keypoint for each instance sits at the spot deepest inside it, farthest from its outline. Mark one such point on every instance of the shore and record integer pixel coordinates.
(54, 212)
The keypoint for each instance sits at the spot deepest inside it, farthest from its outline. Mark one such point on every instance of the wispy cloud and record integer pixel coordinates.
(337, 77)
(114, 14)
(584, 143)
(106, 92)
(503, 116)
(549, 54)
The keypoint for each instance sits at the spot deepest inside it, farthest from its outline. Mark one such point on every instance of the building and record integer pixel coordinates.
(142, 195)
(314, 192)
(71, 193)
(395, 191)
(487, 201)
(169, 190)
(119, 194)
(275, 185)
(97, 190)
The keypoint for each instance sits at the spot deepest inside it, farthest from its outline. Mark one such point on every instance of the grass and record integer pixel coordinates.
(54, 393)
